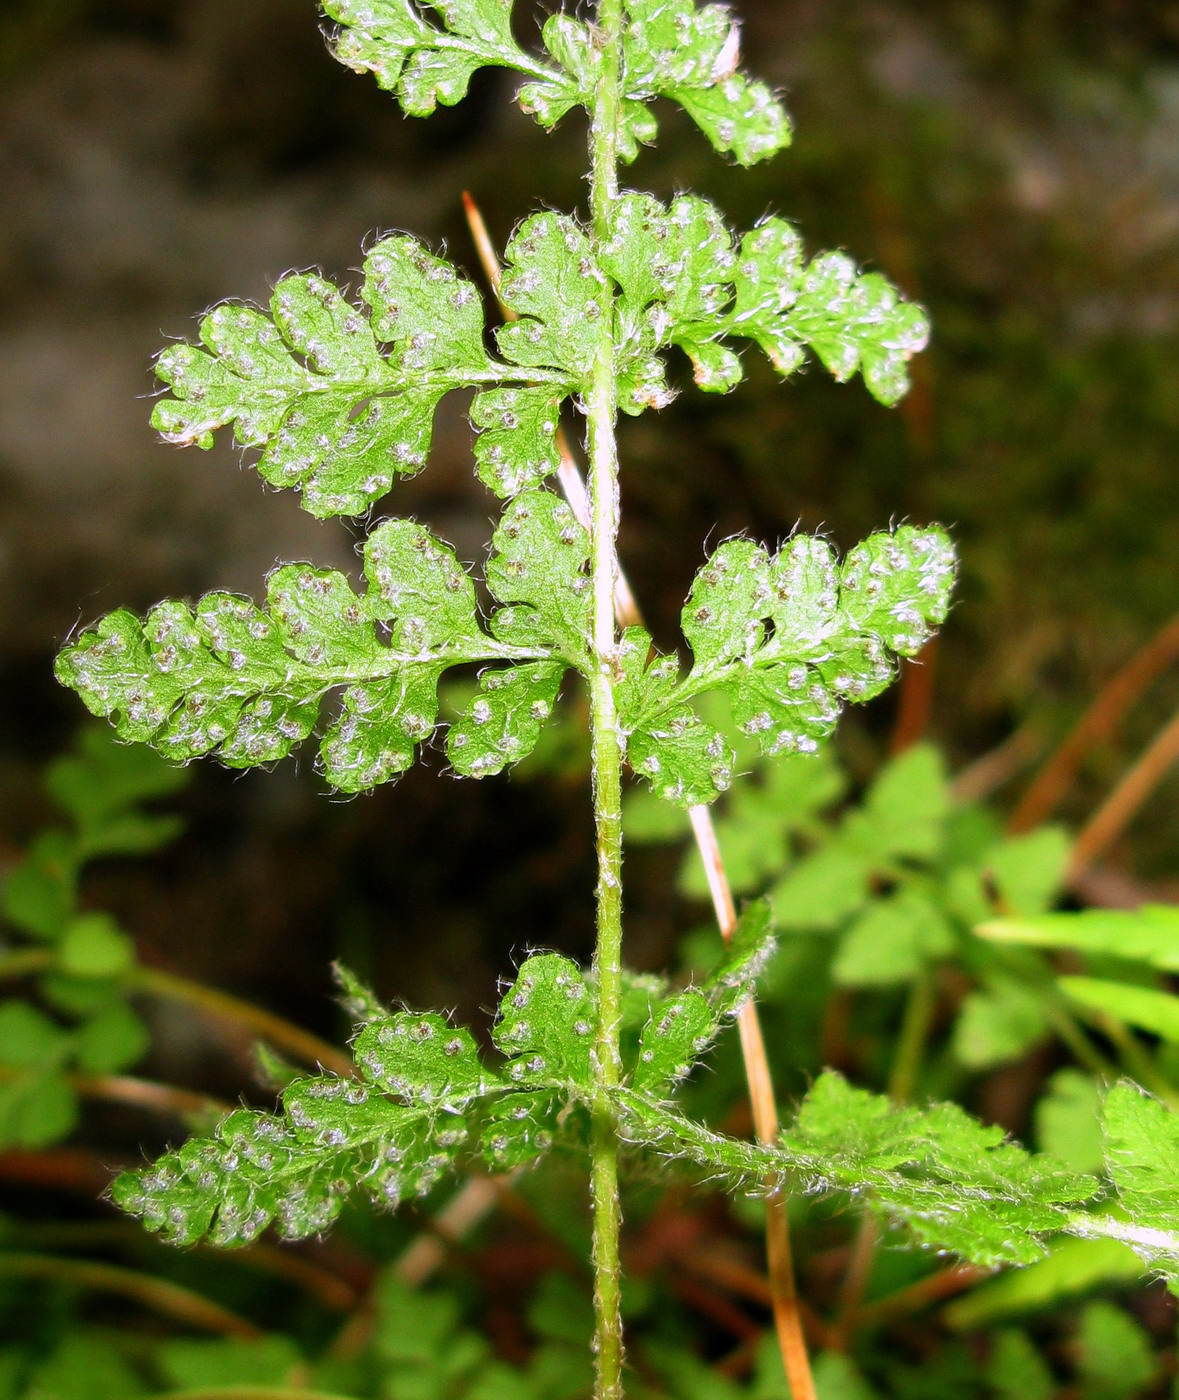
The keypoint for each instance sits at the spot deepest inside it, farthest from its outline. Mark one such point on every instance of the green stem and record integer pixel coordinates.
(601, 411)
(1066, 1026)
(158, 1294)
(919, 1008)
(1139, 1064)
(23, 962)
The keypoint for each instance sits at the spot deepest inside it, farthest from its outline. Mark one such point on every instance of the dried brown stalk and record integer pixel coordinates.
(137, 1093)
(915, 698)
(1112, 703)
(986, 774)
(1113, 816)
(957, 1278)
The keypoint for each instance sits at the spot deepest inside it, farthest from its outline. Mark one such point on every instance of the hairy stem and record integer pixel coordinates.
(780, 1291)
(601, 411)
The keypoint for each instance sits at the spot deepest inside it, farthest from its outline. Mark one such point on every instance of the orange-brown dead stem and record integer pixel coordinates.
(1113, 816)
(787, 1317)
(915, 700)
(137, 1093)
(1111, 705)
(784, 1294)
(957, 1278)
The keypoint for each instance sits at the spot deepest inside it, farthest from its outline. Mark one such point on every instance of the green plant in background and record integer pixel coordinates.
(887, 891)
(83, 962)
(339, 395)
(77, 1026)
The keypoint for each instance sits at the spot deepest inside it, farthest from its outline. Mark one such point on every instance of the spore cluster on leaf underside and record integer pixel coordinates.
(424, 1102)
(340, 397)
(786, 639)
(426, 53)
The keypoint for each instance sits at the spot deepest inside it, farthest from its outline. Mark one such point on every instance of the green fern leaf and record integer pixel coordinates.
(520, 1127)
(1142, 1157)
(358, 1000)
(424, 1061)
(650, 1125)
(569, 42)
(952, 1181)
(678, 1032)
(684, 283)
(517, 443)
(261, 1169)
(851, 320)
(340, 402)
(787, 640)
(749, 951)
(546, 1020)
(538, 569)
(949, 1180)
(674, 267)
(247, 684)
(422, 64)
(684, 759)
(424, 1101)
(673, 48)
(502, 724)
(553, 284)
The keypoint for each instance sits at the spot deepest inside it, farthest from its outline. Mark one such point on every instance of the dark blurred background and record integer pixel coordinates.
(1013, 165)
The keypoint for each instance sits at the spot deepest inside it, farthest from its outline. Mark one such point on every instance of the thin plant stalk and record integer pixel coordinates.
(978, 780)
(1121, 806)
(936, 1288)
(283, 1034)
(250, 1392)
(169, 986)
(158, 1294)
(146, 1093)
(779, 1254)
(1112, 703)
(915, 699)
(606, 1060)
